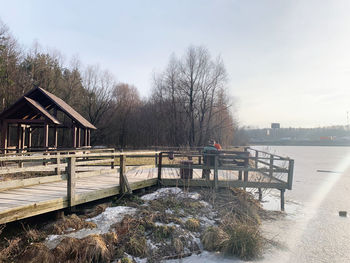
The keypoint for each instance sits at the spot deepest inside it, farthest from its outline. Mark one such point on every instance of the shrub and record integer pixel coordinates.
(212, 238)
(242, 240)
(192, 224)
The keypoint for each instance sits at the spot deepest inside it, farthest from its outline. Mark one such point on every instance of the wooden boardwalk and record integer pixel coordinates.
(83, 184)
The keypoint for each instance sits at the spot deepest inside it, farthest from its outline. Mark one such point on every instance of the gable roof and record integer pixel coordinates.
(40, 109)
(74, 115)
(40, 100)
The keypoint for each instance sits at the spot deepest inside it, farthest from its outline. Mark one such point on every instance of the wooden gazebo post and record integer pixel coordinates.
(30, 130)
(78, 137)
(23, 135)
(19, 137)
(46, 136)
(74, 131)
(4, 134)
(85, 137)
(55, 137)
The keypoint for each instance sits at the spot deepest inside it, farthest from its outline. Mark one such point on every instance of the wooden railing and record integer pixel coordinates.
(66, 165)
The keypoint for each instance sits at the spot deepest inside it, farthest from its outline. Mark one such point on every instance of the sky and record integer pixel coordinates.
(287, 61)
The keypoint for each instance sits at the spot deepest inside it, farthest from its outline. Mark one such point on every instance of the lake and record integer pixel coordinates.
(313, 231)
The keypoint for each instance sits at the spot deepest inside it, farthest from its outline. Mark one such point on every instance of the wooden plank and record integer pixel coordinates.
(34, 168)
(77, 153)
(95, 195)
(12, 184)
(89, 162)
(26, 211)
(143, 183)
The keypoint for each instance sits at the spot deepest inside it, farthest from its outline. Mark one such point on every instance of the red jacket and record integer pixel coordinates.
(218, 146)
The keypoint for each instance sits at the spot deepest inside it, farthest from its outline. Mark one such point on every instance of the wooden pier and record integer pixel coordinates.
(70, 178)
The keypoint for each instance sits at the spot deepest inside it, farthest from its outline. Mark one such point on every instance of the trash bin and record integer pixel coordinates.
(186, 170)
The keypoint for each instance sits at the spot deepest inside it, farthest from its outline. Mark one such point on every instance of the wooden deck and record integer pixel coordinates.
(83, 184)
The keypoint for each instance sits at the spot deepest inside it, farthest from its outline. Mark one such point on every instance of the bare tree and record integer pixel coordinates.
(98, 86)
(191, 86)
(126, 103)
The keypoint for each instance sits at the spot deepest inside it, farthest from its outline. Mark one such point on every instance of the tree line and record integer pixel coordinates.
(188, 104)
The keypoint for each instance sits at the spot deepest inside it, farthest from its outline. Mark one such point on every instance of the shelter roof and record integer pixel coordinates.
(42, 101)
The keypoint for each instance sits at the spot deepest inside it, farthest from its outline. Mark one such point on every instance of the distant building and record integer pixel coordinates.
(275, 125)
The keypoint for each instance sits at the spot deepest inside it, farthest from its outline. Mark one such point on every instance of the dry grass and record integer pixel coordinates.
(212, 238)
(238, 233)
(93, 248)
(73, 222)
(37, 252)
(178, 245)
(234, 238)
(193, 224)
(10, 249)
(242, 240)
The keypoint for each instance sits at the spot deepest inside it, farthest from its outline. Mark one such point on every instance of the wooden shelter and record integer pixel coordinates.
(44, 113)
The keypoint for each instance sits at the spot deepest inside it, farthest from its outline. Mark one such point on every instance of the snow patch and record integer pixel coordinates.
(103, 222)
(163, 192)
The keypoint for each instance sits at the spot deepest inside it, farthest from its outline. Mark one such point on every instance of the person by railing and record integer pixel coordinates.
(209, 152)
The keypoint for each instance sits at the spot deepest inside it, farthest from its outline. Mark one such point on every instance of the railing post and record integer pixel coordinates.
(71, 181)
(122, 174)
(260, 194)
(282, 199)
(216, 175)
(240, 175)
(58, 162)
(246, 165)
(290, 174)
(271, 166)
(156, 160)
(160, 168)
(112, 162)
(256, 159)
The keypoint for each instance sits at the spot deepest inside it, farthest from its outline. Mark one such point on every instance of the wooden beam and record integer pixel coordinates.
(4, 135)
(282, 199)
(58, 161)
(24, 121)
(71, 181)
(78, 137)
(89, 138)
(23, 137)
(221, 184)
(55, 137)
(74, 137)
(30, 130)
(160, 167)
(85, 137)
(46, 136)
(19, 137)
(121, 173)
(216, 175)
(8, 136)
(290, 174)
